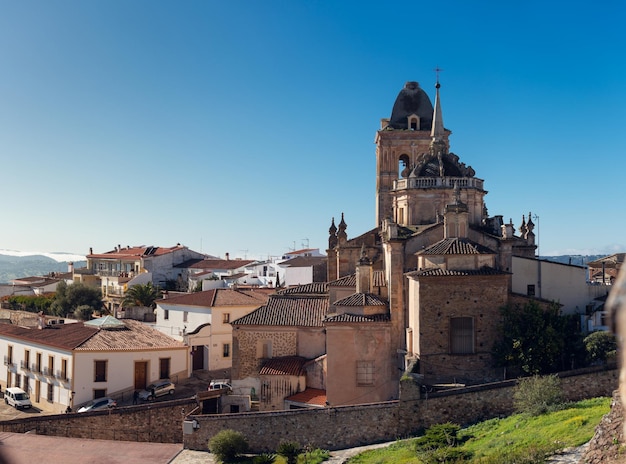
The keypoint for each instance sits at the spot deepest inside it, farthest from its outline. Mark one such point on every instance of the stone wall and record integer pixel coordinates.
(607, 444)
(158, 423)
(350, 426)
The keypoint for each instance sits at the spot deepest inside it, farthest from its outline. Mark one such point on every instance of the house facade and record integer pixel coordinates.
(63, 365)
(201, 320)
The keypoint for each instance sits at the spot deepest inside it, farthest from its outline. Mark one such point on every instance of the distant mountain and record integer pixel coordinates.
(577, 260)
(13, 267)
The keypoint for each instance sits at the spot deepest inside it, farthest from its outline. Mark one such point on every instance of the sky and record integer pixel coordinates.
(244, 127)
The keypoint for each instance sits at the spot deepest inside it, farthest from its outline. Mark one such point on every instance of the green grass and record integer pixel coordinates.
(516, 439)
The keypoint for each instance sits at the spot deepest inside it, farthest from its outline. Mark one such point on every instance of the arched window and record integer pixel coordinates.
(403, 166)
(414, 122)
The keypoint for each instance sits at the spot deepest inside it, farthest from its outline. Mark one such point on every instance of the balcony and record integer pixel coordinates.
(437, 182)
(48, 372)
(24, 365)
(9, 362)
(62, 376)
(35, 368)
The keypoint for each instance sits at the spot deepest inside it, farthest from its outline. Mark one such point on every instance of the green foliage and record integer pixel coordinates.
(227, 445)
(537, 341)
(83, 313)
(141, 295)
(599, 346)
(265, 458)
(518, 439)
(69, 297)
(438, 436)
(537, 395)
(31, 303)
(289, 450)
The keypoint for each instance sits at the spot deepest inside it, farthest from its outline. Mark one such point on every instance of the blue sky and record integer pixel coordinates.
(245, 126)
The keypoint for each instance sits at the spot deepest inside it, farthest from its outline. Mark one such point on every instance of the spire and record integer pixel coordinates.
(341, 232)
(332, 235)
(437, 129)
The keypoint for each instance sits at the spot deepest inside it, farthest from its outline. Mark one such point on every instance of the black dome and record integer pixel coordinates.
(412, 100)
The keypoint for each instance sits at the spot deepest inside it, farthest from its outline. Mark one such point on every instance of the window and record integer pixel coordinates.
(99, 393)
(64, 369)
(164, 368)
(50, 392)
(226, 318)
(264, 349)
(185, 316)
(27, 359)
(9, 359)
(226, 350)
(50, 365)
(461, 335)
(18, 380)
(100, 368)
(530, 290)
(166, 314)
(364, 373)
(38, 363)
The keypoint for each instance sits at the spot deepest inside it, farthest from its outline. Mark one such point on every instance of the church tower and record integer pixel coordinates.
(416, 174)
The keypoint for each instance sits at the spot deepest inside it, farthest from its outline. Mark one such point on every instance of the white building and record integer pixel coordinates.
(202, 321)
(71, 364)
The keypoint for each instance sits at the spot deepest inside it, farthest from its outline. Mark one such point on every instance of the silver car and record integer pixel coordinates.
(156, 389)
(98, 404)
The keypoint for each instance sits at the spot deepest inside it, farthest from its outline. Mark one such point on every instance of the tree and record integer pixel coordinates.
(538, 341)
(228, 444)
(69, 297)
(141, 295)
(599, 346)
(83, 313)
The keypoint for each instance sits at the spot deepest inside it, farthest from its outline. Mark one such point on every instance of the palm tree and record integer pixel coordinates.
(141, 295)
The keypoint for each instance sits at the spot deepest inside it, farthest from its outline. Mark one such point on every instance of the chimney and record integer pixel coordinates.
(90, 251)
(227, 256)
(70, 267)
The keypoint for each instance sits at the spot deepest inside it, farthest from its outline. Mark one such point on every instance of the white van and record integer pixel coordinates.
(17, 398)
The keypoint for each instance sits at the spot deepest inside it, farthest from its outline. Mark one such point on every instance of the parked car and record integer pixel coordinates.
(98, 404)
(156, 389)
(17, 398)
(218, 384)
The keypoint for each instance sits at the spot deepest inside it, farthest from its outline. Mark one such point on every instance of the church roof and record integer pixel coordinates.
(288, 310)
(346, 281)
(456, 246)
(345, 317)
(288, 365)
(438, 272)
(361, 299)
(412, 100)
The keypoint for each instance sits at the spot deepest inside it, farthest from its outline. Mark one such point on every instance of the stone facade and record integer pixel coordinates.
(248, 349)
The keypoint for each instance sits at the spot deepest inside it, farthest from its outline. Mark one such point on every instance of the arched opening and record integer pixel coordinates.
(403, 166)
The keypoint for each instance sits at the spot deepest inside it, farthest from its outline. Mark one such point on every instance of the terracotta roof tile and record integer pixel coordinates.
(310, 396)
(378, 279)
(135, 252)
(286, 310)
(346, 281)
(358, 318)
(221, 264)
(446, 272)
(361, 299)
(218, 297)
(304, 261)
(456, 246)
(288, 365)
(137, 336)
(64, 336)
(315, 288)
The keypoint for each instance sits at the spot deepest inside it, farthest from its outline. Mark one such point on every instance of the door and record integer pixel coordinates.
(197, 353)
(141, 373)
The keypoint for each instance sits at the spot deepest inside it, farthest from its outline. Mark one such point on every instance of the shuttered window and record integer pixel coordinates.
(462, 335)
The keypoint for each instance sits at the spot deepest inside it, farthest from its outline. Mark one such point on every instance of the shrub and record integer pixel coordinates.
(599, 346)
(538, 394)
(228, 444)
(289, 450)
(438, 436)
(265, 458)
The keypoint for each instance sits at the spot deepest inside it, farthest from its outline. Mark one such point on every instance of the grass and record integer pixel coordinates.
(516, 439)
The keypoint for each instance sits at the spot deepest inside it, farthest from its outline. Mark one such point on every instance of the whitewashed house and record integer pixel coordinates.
(202, 321)
(62, 365)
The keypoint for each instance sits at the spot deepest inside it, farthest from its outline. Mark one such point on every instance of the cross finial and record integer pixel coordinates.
(437, 71)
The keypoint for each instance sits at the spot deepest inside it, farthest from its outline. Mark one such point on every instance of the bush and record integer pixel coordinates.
(289, 450)
(265, 458)
(599, 346)
(438, 436)
(228, 444)
(538, 394)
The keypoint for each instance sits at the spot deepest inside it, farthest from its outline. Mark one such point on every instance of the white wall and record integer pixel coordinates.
(563, 283)
(298, 275)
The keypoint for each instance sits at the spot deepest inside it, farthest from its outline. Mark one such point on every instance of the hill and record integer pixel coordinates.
(13, 267)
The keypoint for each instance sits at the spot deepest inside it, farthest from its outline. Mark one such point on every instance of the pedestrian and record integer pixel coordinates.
(135, 396)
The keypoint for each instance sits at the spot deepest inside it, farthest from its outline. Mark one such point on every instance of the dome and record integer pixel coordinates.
(412, 100)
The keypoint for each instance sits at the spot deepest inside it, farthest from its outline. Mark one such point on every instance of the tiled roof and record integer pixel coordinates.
(456, 246)
(221, 264)
(310, 396)
(218, 297)
(283, 310)
(378, 279)
(361, 299)
(315, 288)
(188, 263)
(345, 317)
(64, 336)
(288, 365)
(234, 276)
(346, 281)
(446, 272)
(135, 252)
(136, 336)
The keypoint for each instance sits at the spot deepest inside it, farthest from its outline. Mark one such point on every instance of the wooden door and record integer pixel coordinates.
(141, 374)
(197, 353)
